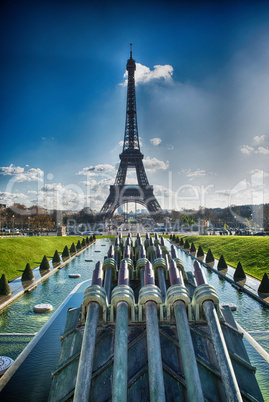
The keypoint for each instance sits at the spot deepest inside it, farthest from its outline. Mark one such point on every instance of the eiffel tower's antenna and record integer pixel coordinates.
(131, 51)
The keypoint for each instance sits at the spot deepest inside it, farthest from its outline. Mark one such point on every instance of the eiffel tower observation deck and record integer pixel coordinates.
(131, 157)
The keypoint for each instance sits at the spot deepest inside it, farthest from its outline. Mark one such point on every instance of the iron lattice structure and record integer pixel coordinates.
(131, 157)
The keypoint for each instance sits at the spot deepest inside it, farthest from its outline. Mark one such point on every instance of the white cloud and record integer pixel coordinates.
(153, 164)
(11, 170)
(246, 149)
(162, 191)
(8, 198)
(193, 174)
(21, 175)
(144, 74)
(57, 196)
(259, 139)
(52, 187)
(262, 151)
(32, 192)
(259, 172)
(196, 173)
(97, 170)
(98, 191)
(30, 175)
(155, 141)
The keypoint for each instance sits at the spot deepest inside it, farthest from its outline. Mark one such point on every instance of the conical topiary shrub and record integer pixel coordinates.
(65, 253)
(73, 249)
(45, 265)
(87, 241)
(193, 249)
(78, 246)
(91, 239)
(83, 243)
(222, 266)
(264, 285)
(200, 253)
(239, 275)
(177, 239)
(56, 258)
(210, 258)
(181, 242)
(186, 245)
(27, 274)
(171, 237)
(174, 237)
(4, 286)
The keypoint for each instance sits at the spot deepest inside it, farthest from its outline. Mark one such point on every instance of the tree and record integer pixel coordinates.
(45, 265)
(209, 257)
(78, 245)
(200, 252)
(27, 274)
(4, 286)
(264, 285)
(193, 248)
(83, 243)
(65, 253)
(222, 263)
(43, 221)
(73, 249)
(56, 258)
(239, 272)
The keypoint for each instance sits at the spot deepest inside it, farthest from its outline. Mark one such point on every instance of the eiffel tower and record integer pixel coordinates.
(131, 157)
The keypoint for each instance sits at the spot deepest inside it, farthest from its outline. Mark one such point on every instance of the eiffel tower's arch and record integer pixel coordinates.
(120, 195)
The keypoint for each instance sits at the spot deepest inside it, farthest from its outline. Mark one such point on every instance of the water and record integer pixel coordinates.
(20, 318)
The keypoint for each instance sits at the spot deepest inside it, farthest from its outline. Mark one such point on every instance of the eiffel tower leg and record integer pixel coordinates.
(151, 203)
(121, 174)
(141, 174)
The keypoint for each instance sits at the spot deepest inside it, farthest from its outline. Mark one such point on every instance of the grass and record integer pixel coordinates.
(16, 252)
(252, 252)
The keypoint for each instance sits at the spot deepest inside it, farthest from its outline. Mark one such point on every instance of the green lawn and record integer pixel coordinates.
(252, 252)
(16, 252)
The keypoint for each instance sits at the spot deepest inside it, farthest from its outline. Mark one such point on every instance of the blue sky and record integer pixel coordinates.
(202, 99)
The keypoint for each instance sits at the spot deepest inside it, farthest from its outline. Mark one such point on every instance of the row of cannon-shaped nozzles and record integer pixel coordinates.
(117, 241)
(142, 252)
(199, 274)
(149, 241)
(123, 276)
(128, 241)
(175, 274)
(111, 253)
